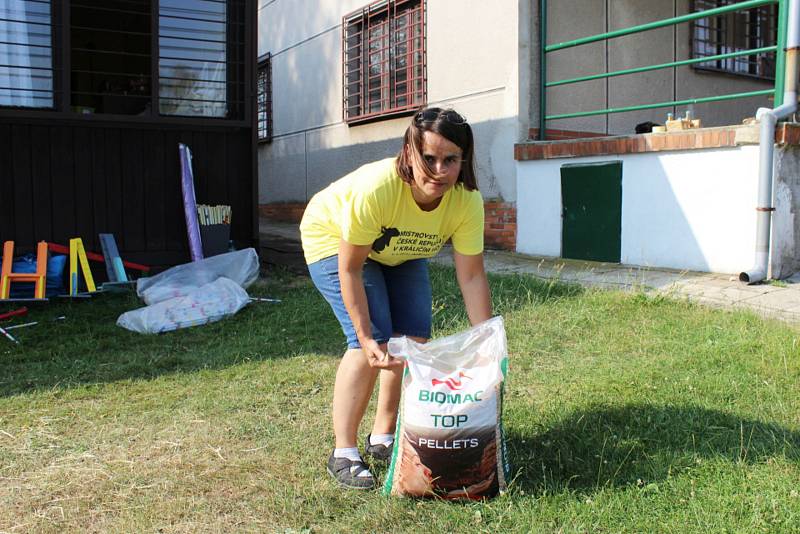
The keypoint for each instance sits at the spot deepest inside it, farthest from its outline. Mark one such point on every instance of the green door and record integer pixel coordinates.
(591, 198)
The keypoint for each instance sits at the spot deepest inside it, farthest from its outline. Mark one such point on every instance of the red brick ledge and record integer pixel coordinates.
(726, 136)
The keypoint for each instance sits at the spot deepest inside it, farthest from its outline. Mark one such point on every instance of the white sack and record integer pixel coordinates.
(449, 440)
(201, 305)
(240, 266)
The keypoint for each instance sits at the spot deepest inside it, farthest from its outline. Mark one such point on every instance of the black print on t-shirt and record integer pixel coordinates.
(417, 244)
(386, 236)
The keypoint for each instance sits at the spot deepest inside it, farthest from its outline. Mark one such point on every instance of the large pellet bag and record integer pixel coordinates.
(449, 440)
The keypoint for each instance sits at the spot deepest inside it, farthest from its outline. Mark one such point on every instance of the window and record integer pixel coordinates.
(193, 57)
(264, 117)
(732, 32)
(125, 57)
(384, 59)
(26, 54)
(110, 56)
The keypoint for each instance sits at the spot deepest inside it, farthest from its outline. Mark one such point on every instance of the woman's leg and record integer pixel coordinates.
(355, 380)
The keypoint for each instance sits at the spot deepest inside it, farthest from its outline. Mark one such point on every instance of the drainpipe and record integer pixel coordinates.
(768, 118)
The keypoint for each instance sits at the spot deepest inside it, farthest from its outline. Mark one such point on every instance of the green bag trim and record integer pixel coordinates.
(387, 486)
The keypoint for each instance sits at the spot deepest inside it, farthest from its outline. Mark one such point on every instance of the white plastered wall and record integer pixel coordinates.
(683, 210)
(477, 60)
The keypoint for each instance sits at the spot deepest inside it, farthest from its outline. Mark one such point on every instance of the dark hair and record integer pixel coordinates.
(451, 126)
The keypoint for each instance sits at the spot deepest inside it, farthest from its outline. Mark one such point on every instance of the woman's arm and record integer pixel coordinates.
(351, 265)
(474, 286)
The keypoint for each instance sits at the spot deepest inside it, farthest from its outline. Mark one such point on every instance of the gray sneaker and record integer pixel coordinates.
(346, 472)
(380, 452)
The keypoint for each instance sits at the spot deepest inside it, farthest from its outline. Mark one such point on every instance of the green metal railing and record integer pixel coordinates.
(779, 49)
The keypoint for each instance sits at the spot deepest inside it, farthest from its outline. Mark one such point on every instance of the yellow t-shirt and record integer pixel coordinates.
(373, 206)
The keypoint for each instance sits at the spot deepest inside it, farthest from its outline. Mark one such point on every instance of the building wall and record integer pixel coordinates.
(655, 46)
(684, 209)
(477, 59)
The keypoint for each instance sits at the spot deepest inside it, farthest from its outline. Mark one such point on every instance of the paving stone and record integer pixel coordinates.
(785, 299)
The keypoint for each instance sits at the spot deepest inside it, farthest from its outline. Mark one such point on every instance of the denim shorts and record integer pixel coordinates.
(399, 297)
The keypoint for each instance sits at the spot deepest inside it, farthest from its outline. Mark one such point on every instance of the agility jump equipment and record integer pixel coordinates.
(38, 277)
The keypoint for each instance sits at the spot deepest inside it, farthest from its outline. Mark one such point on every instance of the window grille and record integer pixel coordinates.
(264, 87)
(194, 57)
(110, 56)
(384, 64)
(26, 54)
(125, 57)
(733, 32)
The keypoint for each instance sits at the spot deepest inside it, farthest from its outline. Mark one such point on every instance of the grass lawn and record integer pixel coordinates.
(624, 413)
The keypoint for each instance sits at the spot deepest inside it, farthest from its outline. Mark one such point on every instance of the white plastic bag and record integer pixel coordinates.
(201, 305)
(240, 266)
(449, 440)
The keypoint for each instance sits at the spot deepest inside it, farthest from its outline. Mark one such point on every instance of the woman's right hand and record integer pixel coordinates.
(377, 358)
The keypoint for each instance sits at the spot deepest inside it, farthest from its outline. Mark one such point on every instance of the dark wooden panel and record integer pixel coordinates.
(41, 182)
(133, 225)
(22, 193)
(114, 200)
(232, 155)
(154, 185)
(63, 180)
(217, 178)
(99, 182)
(200, 164)
(84, 190)
(175, 224)
(240, 185)
(7, 212)
(63, 183)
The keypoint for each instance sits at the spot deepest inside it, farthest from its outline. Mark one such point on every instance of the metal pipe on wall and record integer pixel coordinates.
(542, 69)
(768, 118)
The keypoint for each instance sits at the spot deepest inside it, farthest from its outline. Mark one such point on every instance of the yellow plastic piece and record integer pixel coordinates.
(78, 253)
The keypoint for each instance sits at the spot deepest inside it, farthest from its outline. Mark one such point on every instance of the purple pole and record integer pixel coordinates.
(190, 203)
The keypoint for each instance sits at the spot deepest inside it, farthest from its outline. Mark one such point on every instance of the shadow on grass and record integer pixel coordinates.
(88, 348)
(639, 445)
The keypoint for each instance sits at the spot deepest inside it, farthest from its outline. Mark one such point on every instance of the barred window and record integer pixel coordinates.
(264, 117)
(384, 71)
(733, 32)
(124, 57)
(26, 54)
(110, 56)
(194, 57)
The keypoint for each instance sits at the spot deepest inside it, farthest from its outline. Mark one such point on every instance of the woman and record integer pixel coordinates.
(366, 239)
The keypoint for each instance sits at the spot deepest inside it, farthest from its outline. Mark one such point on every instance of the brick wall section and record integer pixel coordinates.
(500, 225)
(787, 134)
(500, 220)
(726, 136)
(290, 212)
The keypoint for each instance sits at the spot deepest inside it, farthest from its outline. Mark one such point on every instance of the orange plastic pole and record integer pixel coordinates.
(38, 278)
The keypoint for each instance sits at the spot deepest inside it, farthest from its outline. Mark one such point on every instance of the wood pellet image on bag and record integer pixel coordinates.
(449, 439)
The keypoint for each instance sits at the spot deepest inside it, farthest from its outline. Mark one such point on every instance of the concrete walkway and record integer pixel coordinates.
(280, 243)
